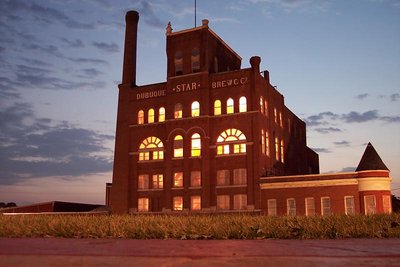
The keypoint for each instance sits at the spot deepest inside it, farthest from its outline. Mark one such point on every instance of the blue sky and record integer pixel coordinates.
(336, 62)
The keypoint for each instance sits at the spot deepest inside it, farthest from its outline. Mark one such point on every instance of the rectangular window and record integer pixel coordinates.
(178, 203)
(240, 176)
(158, 155)
(275, 115)
(223, 202)
(272, 207)
(325, 205)
(240, 202)
(291, 206)
(387, 203)
(280, 119)
(144, 156)
(262, 142)
(310, 206)
(370, 204)
(223, 177)
(158, 181)
(195, 178)
(277, 149)
(195, 202)
(178, 179)
(267, 143)
(143, 181)
(349, 205)
(143, 204)
(226, 149)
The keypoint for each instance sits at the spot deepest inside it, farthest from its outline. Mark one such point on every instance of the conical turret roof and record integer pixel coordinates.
(370, 160)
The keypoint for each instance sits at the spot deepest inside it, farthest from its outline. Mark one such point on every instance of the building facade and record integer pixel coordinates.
(213, 137)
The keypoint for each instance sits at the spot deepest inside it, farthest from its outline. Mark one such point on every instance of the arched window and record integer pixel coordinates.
(267, 143)
(151, 149)
(178, 146)
(178, 111)
(276, 149)
(262, 142)
(282, 152)
(195, 109)
(262, 104)
(217, 107)
(231, 141)
(195, 60)
(266, 107)
(280, 119)
(243, 104)
(196, 145)
(150, 116)
(161, 114)
(178, 63)
(140, 117)
(275, 115)
(230, 106)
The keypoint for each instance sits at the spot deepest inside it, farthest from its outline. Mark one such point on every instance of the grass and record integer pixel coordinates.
(232, 226)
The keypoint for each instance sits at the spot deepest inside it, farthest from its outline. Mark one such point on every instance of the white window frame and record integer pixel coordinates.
(272, 207)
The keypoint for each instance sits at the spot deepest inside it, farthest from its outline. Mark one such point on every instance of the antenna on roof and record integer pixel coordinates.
(195, 13)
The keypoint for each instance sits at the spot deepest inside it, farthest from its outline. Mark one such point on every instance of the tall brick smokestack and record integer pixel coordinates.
(129, 69)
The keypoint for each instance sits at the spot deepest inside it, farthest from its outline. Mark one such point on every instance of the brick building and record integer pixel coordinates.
(213, 137)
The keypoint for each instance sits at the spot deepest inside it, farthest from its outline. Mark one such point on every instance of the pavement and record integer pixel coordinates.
(131, 252)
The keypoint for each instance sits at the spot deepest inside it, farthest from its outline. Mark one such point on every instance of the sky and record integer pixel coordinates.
(337, 63)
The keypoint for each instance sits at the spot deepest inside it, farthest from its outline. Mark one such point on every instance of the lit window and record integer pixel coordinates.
(143, 181)
(325, 205)
(230, 106)
(195, 60)
(140, 117)
(267, 143)
(282, 152)
(349, 205)
(262, 142)
(276, 149)
(150, 116)
(223, 202)
(240, 176)
(158, 181)
(151, 146)
(195, 109)
(217, 107)
(178, 146)
(275, 115)
(223, 177)
(242, 104)
(143, 204)
(195, 202)
(178, 111)
(387, 203)
(291, 206)
(178, 63)
(272, 207)
(266, 107)
(370, 204)
(161, 114)
(195, 178)
(231, 140)
(178, 203)
(262, 104)
(310, 206)
(178, 179)
(196, 145)
(280, 119)
(240, 202)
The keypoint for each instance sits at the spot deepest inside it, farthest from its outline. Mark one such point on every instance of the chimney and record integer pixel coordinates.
(255, 63)
(266, 76)
(129, 68)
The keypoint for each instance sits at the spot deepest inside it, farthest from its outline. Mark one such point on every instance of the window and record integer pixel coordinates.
(195, 178)
(140, 117)
(178, 146)
(195, 60)
(272, 207)
(215, 64)
(387, 204)
(242, 104)
(195, 109)
(178, 63)
(151, 149)
(161, 114)
(240, 176)
(280, 119)
(150, 116)
(178, 111)
(310, 206)
(282, 152)
(291, 206)
(266, 107)
(178, 179)
(240, 202)
(196, 145)
(231, 140)
(349, 205)
(158, 182)
(262, 142)
(178, 203)
(267, 143)
(325, 205)
(230, 106)
(143, 181)
(143, 204)
(223, 202)
(223, 177)
(276, 149)
(275, 115)
(262, 104)
(217, 107)
(370, 204)
(195, 202)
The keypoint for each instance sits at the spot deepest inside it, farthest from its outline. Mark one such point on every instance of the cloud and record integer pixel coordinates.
(112, 47)
(390, 119)
(294, 5)
(316, 120)
(362, 96)
(77, 43)
(88, 60)
(394, 97)
(348, 169)
(47, 49)
(342, 143)
(147, 12)
(327, 130)
(321, 150)
(360, 117)
(91, 72)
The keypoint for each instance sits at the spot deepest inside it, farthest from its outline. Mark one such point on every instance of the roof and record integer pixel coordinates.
(370, 160)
